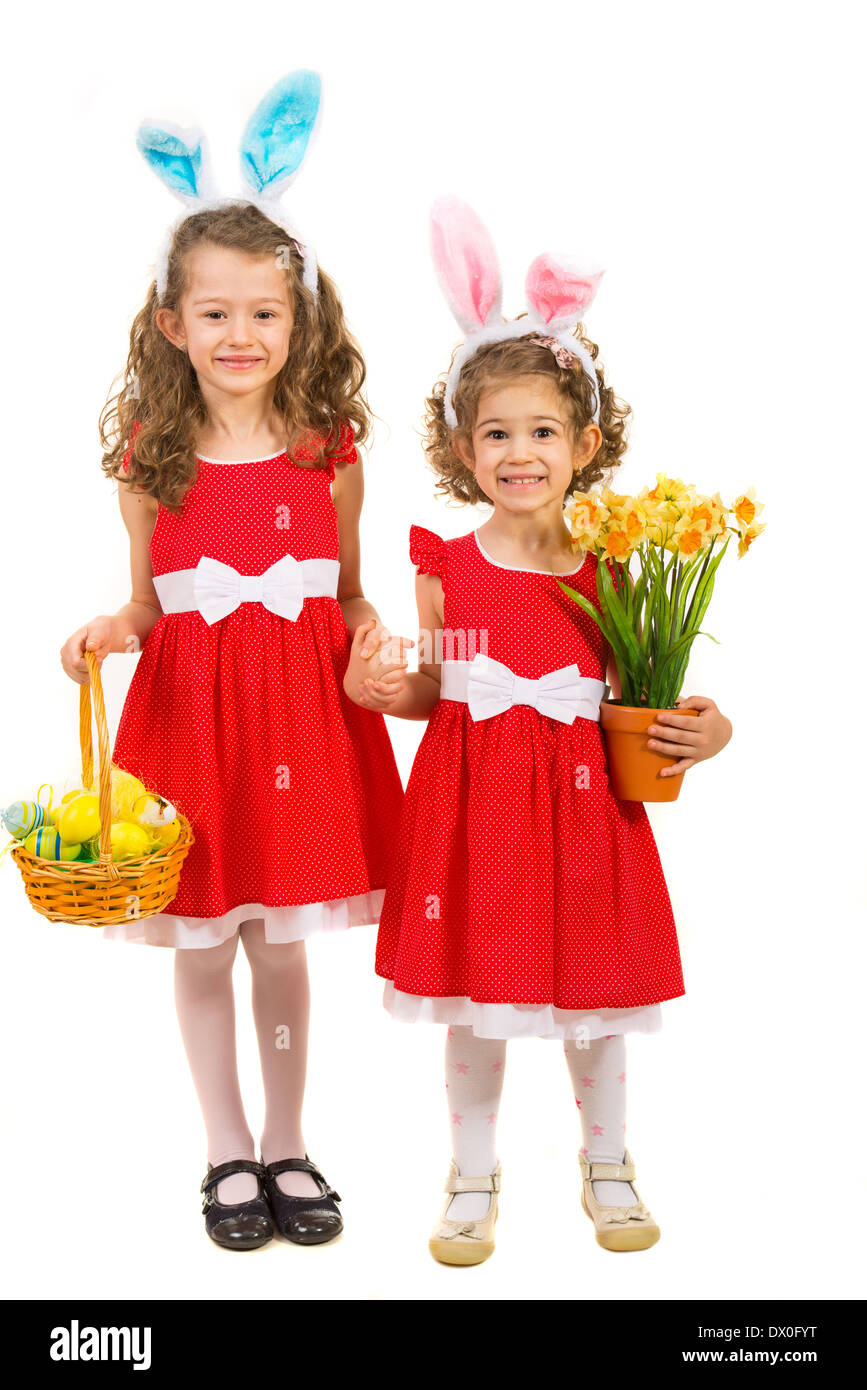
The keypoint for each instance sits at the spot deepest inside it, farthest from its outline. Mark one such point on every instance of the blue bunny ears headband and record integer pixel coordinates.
(273, 147)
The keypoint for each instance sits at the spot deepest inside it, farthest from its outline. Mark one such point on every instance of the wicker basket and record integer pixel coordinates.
(94, 895)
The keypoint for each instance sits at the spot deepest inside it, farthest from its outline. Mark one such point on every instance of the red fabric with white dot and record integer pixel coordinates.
(513, 883)
(292, 790)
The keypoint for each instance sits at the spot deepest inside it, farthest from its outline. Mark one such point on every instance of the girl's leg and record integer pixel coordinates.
(474, 1082)
(598, 1074)
(205, 1004)
(281, 1009)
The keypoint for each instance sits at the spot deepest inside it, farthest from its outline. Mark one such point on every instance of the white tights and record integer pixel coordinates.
(205, 1002)
(474, 1082)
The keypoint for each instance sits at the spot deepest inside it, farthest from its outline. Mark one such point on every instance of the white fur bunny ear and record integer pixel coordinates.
(179, 158)
(466, 264)
(559, 292)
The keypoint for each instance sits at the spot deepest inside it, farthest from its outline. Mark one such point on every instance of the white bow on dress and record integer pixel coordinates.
(493, 688)
(219, 589)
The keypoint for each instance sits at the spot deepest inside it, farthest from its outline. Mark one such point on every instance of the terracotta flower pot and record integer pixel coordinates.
(633, 767)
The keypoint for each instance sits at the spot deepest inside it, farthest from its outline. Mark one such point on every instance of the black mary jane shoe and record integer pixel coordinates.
(303, 1220)
(245, 1225)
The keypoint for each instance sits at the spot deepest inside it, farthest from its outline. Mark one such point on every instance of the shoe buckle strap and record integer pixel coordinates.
(614, 1172)
(228, 1170)
(489, 1183)
(293, 1165)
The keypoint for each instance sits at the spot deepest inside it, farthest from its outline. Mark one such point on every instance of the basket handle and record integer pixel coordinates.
(86, 739)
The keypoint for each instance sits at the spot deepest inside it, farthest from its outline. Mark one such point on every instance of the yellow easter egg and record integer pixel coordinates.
(46, 843)
(129, 841)
(79, 819)
(57, 811)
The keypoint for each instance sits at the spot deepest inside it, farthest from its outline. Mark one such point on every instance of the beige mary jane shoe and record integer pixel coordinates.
(617, 1228)
(466, 1242)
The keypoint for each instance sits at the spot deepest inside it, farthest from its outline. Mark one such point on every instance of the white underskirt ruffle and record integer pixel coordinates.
(282, 924)
(521, 1020)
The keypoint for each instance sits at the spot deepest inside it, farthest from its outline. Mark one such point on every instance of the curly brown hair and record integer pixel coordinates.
(521, 357)
(158, 410)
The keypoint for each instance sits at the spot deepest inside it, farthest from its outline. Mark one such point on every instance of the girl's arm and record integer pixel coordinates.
(128, 629)
(347, 494)
(361, 618)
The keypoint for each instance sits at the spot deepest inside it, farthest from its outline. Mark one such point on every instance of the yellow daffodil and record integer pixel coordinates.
(671, 494)
(688, 539)
(747, 537)
(746, 509)
(617, 545)
(625, 515)
(585, 515)
(719, 511)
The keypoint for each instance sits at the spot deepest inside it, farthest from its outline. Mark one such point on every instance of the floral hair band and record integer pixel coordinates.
(563, 355)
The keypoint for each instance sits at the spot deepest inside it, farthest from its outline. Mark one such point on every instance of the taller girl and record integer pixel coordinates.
(234, 443)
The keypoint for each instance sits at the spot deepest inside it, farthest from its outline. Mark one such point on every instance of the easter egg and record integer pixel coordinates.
(64, 802)
(80, 819)
(129, 841)
(47, 844)
(22, 817)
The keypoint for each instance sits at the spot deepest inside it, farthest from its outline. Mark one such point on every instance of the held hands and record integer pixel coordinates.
(689, 739)
(95, 637)
(377, 666)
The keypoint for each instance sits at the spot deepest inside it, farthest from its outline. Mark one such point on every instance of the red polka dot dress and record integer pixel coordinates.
(524, 897)
(292, 790)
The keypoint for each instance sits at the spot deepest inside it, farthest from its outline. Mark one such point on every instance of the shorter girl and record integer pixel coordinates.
(525, 899)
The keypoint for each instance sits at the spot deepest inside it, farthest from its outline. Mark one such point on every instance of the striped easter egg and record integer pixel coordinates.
(23, 817)
(47, 844)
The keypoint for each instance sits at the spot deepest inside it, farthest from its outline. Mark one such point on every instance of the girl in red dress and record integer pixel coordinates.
(234, 443)
(525, 898)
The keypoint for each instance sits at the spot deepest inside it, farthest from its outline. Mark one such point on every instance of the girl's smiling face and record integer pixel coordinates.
(235, 319)
(522, 450)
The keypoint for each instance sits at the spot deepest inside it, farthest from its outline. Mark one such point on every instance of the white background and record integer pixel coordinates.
(711, 157)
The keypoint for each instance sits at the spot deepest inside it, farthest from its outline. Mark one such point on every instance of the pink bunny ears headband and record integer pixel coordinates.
(273, 147)
(558, 294)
